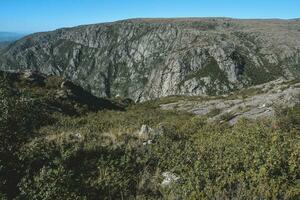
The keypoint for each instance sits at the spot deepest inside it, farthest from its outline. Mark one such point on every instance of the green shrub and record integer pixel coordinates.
(50, 183)
(18, 120)
(99, 155)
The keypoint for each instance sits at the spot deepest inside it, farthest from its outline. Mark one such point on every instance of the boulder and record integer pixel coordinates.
(145, 130)
(169, 178)
(33, 76)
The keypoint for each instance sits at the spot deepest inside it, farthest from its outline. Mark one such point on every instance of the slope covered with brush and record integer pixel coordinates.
(141, 152)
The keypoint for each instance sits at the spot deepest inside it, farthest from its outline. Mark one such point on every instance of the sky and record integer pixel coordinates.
(27, 16)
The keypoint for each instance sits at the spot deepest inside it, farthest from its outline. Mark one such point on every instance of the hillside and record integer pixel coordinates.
(56, 94)
(144, 59)
(59, 142)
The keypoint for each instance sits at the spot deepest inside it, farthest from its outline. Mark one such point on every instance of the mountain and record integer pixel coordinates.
(150, 58)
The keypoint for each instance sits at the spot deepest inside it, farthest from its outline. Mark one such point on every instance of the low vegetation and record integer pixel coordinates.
(50, 154)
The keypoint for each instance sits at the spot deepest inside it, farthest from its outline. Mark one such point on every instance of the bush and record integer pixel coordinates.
(99, 155)
(50, 183)
(19, 118)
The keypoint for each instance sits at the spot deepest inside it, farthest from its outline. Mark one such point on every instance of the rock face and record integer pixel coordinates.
(150, 58)
(255, 102)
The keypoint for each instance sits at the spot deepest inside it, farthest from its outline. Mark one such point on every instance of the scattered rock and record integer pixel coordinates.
(169, 178)
(33, 76)
(145, 130)
(255, 105)
(262, 106)
(61, 94)
(147, 142)
(66, 84)
(78, 135)
(149, 135)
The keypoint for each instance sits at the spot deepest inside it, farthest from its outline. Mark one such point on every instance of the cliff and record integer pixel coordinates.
(150, 58)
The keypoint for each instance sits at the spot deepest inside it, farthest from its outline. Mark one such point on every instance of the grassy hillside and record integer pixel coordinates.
(49, 152)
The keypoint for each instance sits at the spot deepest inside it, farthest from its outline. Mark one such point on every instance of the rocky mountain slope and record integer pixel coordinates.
(150, 58)
(256, 102)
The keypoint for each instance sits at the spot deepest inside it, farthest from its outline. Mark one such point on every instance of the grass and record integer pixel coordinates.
(248, 92)
(214, 112)
(206, 157)
(99, 155)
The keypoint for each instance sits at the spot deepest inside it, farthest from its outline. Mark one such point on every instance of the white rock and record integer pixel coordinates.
(169, 178)
(78, 135)
(262, 106)
(147, 142)
(145, 130)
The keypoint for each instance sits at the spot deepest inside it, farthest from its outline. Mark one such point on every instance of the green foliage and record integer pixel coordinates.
(53, 82)
(227, 116)
(100, 155)
(212, 70)
(249, 160)
(257, 75)
(248, 70)
(289, 118)
(19, 118)
(50, 183)
(214, 112)
(248, 92)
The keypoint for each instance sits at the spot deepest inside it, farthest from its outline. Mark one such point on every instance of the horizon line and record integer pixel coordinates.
(146, 18)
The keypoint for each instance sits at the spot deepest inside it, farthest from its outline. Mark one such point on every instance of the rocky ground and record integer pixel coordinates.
(256, 102)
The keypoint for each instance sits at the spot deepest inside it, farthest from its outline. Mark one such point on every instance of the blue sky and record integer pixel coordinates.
(43, 15)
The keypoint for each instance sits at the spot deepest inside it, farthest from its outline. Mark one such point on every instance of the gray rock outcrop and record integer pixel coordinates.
(144, 59)
(169, 178)
(256, 102)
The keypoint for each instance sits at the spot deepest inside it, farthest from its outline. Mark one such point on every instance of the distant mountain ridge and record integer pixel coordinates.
(150, 58)
(4, 44)
(10, 36)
